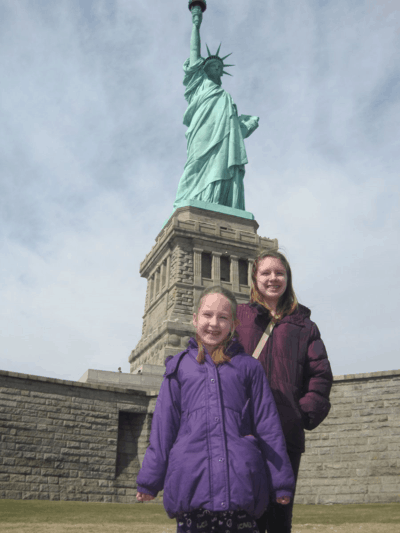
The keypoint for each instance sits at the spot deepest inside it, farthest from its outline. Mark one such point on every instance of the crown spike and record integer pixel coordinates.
(226, 56)
(217, 57)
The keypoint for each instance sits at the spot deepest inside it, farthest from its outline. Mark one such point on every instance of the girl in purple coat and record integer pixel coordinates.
(294, 360)
(216, 444)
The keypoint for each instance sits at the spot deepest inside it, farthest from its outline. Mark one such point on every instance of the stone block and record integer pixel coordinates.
(362, 472)
(119, 499)
(392, 403)
(8, 403)
(392, 488)
(29, 495)
(341, 498)
(21, 469)
(15, 478)
(28, 457)
(384, 497)
(35, 479)
(53, 489)
(13, 495)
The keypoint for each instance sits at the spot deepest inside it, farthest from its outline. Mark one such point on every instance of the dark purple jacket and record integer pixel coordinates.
(296, 366)
(216, 440)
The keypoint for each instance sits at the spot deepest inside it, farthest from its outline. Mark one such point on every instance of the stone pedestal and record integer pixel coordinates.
(195, 249)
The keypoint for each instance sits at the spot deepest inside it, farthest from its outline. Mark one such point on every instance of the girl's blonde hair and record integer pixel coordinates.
(218, 356)
(288, 302)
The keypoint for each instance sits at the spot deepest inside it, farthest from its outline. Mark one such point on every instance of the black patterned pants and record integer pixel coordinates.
(202, 521)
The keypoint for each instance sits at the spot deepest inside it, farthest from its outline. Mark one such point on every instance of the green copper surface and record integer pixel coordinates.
(217, 208)
(216, 154)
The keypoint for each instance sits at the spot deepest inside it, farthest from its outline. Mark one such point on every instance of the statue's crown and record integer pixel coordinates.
(216, 56)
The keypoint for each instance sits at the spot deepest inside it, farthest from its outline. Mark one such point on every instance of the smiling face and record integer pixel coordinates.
(214, 321)
(271, 279)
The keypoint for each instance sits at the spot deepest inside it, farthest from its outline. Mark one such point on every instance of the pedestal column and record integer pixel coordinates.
(197, 265)
(216, 268)
(235, 273)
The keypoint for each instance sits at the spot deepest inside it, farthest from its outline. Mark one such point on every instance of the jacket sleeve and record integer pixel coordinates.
(317, 382)
(164, 430)
(268, 431)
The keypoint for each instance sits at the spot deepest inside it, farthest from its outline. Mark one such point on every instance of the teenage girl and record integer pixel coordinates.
(216, 444)
(294, 359)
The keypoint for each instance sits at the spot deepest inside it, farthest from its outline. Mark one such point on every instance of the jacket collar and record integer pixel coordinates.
(233, 348)
(172, 361)
(297, 317)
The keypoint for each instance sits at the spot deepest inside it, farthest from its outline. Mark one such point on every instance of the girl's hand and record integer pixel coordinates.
(284, 500)
(144, 497)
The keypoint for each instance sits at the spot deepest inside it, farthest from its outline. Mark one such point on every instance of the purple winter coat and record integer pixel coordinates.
(216, 440)
(296, 365)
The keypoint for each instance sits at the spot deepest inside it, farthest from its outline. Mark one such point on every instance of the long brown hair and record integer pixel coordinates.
(218, 356)
(288, 302)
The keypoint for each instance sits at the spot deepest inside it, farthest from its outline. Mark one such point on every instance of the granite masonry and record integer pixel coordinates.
(195, 249)
(354, 455)
(66, 440)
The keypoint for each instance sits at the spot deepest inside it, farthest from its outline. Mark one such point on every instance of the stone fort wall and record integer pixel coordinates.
(64, 440)
(354, 455)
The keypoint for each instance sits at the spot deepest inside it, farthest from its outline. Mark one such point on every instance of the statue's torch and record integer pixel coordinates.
(201, 3)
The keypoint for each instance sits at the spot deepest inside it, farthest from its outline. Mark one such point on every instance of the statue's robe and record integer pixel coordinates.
(216, 154)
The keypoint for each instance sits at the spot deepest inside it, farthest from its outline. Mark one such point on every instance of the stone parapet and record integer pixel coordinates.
(65, 440)
(85, 441)
(354, 455)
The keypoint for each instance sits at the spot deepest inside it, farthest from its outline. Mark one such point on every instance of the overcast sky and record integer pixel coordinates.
(92, 148)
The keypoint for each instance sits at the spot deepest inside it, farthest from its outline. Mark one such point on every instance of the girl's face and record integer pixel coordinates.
(213, 321)
(271, 279)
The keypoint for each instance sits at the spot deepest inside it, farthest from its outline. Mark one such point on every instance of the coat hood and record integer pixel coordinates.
(298, 317)
(172, 361)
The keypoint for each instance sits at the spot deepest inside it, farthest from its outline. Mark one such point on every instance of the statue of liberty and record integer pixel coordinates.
(216, 154)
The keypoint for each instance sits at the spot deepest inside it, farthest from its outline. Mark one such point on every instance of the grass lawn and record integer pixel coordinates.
(80, 512)
(34, 516)
(372, 513)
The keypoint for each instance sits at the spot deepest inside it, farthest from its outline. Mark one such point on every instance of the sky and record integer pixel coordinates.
(92, 147)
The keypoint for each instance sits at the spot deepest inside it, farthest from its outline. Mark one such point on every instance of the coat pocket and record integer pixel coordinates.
(249, 480)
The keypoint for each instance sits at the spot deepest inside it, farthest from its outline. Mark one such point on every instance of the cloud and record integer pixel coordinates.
(93, 146)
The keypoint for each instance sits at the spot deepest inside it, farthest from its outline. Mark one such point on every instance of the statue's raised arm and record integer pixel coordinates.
(195, 44)
(216, 160)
